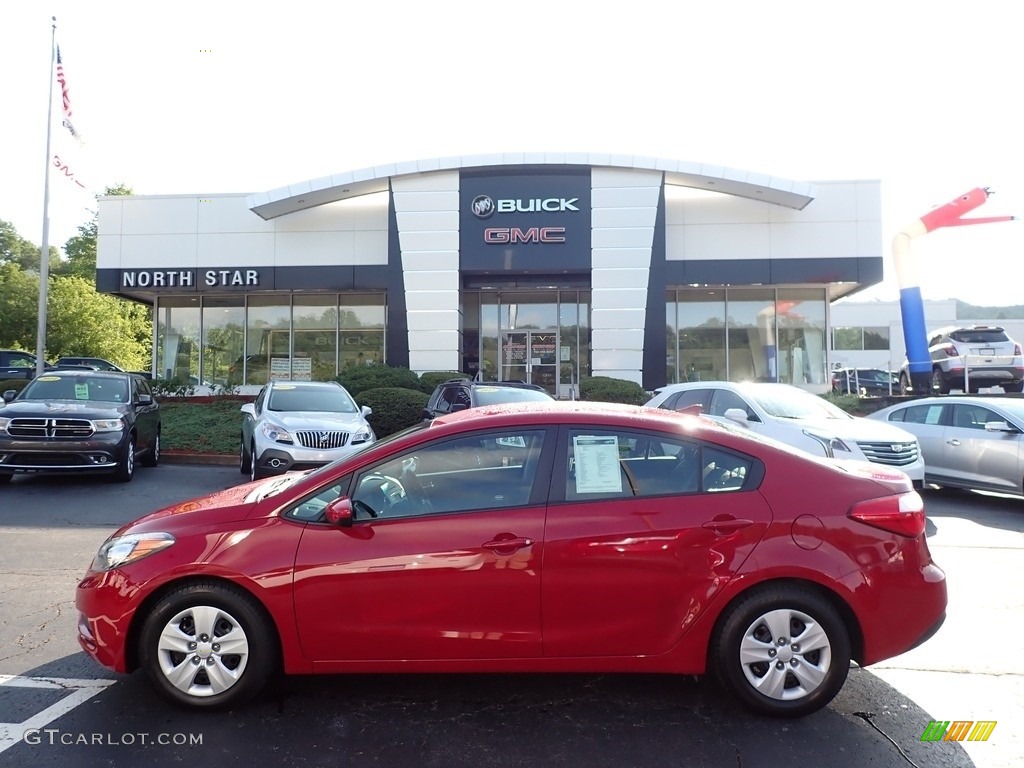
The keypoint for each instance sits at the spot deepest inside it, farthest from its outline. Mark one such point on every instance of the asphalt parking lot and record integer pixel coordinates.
(57, 707)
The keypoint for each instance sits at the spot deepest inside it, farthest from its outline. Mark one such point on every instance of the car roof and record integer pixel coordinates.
(306, 384)
(88, 372)
(474, 383)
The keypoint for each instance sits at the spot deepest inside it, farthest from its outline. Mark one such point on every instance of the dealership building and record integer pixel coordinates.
(541, 267)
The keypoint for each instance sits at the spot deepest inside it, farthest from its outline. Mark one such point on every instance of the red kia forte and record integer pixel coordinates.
(535, 537)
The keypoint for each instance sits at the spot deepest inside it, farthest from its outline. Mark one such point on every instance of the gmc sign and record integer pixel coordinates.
(530, 235)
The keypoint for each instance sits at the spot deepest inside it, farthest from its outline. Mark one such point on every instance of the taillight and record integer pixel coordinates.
(902, 514)
(950, 351)
(1016, 350)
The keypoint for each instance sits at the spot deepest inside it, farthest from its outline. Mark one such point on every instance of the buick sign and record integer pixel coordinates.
(483, 206)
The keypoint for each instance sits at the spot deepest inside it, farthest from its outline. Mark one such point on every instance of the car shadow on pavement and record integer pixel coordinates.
(469, 720)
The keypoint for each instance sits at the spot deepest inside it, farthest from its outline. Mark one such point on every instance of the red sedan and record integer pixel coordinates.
(540, 537)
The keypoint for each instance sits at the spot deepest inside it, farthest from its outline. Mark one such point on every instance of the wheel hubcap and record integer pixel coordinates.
(203, 651)
(785, 654)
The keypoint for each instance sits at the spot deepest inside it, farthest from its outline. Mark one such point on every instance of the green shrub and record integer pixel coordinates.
(16, 384)
(430, 379)
(394, 408)
(209, 427)
(164, 388)
(608, 390)
(359, 378)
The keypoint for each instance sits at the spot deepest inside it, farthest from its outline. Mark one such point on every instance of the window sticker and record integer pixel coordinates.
(597, 464)
(284, 386)
(934, 415)
(81, 391)
(49, 378)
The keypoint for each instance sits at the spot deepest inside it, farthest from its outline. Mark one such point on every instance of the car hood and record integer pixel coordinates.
(856, 429)
(57, 409)
(225, 506)
(315, 420)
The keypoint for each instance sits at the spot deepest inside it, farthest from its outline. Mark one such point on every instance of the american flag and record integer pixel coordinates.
(65, 97)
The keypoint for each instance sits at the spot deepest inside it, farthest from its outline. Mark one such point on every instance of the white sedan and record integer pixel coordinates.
(796, 417)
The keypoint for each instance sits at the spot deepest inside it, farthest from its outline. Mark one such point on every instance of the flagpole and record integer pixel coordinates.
(44, 248)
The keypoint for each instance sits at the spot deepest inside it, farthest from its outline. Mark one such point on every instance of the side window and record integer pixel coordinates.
(923, 414)
(311, 508)
(685, 398)
(479, 472)
(612, 465)
(444, 403)
(972, 416)
(462, 397)
(20, 361)
(144, 387)
(724, 399)
(722, 471)
(261, 398)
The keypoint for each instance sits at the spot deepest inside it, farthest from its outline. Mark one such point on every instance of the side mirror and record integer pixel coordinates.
(249, 409)
(736, 414)
(145, 399)
(339, 512)
(990, 426)
(427, 415)
(366, 411)
(10, 394)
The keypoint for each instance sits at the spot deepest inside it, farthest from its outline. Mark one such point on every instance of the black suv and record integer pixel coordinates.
(79, 421)
(460, 394)
(15, 364)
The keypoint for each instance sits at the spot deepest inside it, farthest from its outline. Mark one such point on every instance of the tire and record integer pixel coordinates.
(764, 628)
(1014, 386)
(152, 456)
(255, 473)
(938, 383)
(126, 470)
(244, 458)
(201, 673)
(905, 387)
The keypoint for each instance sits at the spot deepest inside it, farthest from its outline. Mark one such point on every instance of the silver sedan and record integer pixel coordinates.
(967, 442)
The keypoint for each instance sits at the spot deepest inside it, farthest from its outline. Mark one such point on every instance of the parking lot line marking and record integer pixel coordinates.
(81, 690)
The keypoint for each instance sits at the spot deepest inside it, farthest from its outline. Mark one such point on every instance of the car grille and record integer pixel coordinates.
(322, 440)
(48, 460)
(75, 428)
(893, 454)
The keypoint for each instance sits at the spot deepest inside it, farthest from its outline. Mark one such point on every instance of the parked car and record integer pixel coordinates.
(16, 364)
(296, 425)
(99, 364)
(801, 419)
(967, 442)
(530, 537)
(459, 394)
(80, 421)
(865, 381)
(971, 357)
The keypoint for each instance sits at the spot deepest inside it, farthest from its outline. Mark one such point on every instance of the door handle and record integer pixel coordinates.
(508, 545)
(727, 525)
(954, 441)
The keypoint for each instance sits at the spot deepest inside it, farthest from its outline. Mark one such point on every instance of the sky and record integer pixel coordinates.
(223, 96)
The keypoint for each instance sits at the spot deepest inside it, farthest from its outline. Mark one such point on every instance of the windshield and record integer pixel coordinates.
(326, 399)
(53, 387)
(498, 395)
(1013, 407)
(786, 402)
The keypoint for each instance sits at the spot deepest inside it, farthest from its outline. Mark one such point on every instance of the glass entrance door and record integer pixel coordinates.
(530, 356)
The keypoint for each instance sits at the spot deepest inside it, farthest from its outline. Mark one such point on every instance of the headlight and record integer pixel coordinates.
(828, 443)
(122, 550)
(276, 433)
(108, 425)
(3, 424)
(362, 436)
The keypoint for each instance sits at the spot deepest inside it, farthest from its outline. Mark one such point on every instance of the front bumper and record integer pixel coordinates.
(103, 451)
(278, 457)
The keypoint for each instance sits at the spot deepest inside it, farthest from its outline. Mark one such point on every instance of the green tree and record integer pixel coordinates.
(19, 306)
(81, 249)
(14, 249)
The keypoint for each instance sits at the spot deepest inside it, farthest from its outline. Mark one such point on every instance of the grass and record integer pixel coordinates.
(201, 427)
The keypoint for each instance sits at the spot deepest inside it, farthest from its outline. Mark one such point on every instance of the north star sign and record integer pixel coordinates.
(190, 278)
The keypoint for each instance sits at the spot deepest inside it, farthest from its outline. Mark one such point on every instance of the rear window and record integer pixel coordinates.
(977, 336)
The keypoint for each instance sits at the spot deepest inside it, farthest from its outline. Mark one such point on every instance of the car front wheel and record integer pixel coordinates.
(781, 651)
(208, 645)
(244, 458)
(938, 384)
(126, 471)
(152, 457)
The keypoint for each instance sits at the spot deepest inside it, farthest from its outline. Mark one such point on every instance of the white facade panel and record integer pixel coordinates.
(675, 243)
(726, 241)
(430, 300)
(108, 251)
(433, 360)
(158, 251)
(631, 338)
(617, 319)
(160, 215)
(229, 213)
(620, 278)
(430, 261)
(314, 248)
(426, 221)
(619, 359)
(370, 247)
(428, 241)
(436, 320)
(869, 238)
(828, 240)
(444, 341)
(616, 258)
(613, 218)
(236, 249)
(619, 298)
(621, 177)
(623, 238)
(426, 182)
(110, 217)
(438, 280)
(633, 197)
(426, 201)
(715, 209)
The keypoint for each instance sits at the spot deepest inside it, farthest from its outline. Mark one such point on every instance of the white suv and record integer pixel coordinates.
(796, 417)
(971, 356)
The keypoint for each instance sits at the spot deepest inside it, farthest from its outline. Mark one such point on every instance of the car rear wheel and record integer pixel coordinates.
(781, 651)
(126, 471)
(938, 383)
(244, 458)
(208, 645)
(255, 473)
(152, 457)
(1014, 386)
(905, 384)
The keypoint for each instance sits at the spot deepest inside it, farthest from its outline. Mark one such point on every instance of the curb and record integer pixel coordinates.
(215, 459)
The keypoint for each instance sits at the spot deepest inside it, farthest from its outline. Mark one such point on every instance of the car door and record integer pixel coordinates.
(19, 365)
(249, 422)
(978, 457)
(927, 422)
(643, 530)
(450, 566)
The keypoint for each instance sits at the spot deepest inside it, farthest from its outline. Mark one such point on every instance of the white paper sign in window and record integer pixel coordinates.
(597, 464)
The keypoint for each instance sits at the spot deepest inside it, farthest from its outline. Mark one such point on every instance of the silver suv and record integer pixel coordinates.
(969, 357)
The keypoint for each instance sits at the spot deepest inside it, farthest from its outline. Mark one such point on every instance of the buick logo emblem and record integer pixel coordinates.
(325, 438)
(897, 447)
(483, 206)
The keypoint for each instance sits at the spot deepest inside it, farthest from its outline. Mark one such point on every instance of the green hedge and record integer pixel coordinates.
(359, 378)
(430, 379)
(394, 408)
(608, 390)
